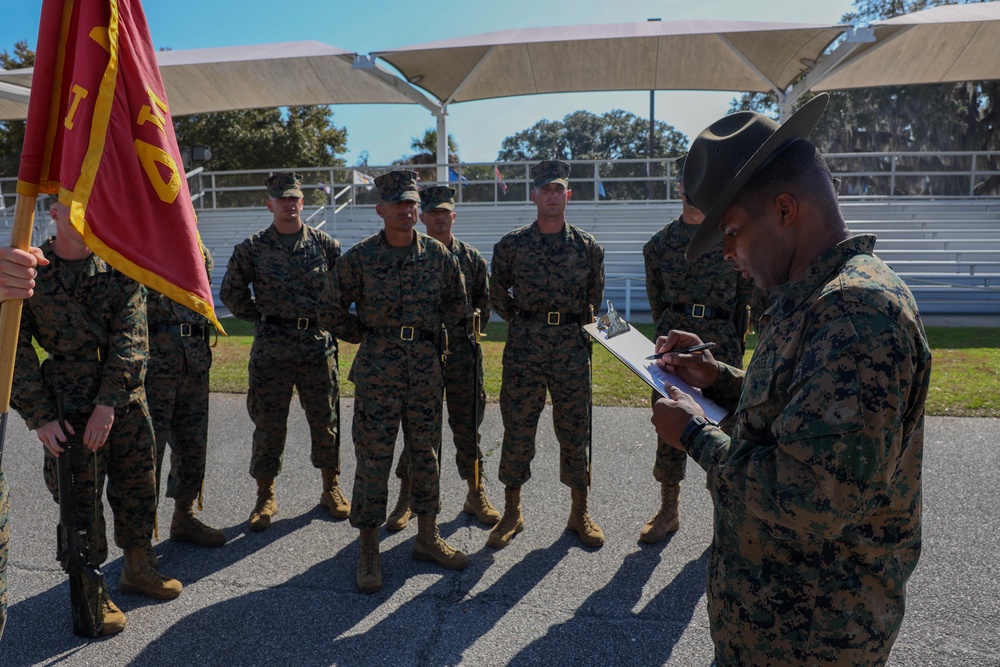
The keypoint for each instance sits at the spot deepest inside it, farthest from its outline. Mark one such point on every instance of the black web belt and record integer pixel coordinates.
(554, 317)
(404, 333)
(93, 355)
(699, 311)
(183, 329)
(295, 322)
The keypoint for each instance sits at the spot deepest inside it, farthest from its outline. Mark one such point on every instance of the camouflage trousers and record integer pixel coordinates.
(411, 397)
(126, 462)
(268, 400)
(4, 546)
(178, 405)
(522, 399)
(459, 378)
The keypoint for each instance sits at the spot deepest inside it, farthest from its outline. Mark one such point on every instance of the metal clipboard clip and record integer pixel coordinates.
(612, 323)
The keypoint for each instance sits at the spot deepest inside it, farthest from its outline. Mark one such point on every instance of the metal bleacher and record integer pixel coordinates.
(947, 251)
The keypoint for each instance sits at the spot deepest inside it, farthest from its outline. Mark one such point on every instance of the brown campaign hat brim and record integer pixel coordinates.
(799, 125)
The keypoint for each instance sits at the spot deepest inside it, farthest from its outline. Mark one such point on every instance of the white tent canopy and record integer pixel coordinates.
(248, 77)
(943, 44)
(940, 45)
(654, 55)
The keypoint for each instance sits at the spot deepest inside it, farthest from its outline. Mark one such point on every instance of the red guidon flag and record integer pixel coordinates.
(99, 136)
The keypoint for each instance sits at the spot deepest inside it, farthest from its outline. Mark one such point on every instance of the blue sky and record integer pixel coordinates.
(479, 127)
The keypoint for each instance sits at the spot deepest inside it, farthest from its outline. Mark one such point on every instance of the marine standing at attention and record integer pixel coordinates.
(461, 379)
(177, 392)
(705, 297)
(287, 264)
(91, 321)
(546, 279)
(404, 286)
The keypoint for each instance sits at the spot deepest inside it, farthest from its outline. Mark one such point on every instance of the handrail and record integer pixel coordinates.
(315, 213)
(865, 176)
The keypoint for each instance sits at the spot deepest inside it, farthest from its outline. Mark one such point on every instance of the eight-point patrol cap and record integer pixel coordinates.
(439, 196)
(397, 186)
(730, 152)
(550, 171)
(284, 184)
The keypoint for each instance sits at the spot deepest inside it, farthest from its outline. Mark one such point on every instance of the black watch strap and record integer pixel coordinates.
(692, 429)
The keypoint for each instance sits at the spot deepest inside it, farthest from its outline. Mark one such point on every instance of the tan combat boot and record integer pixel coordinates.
(430, 547)
(581, 523)
(512, 522)
(401, 513)
(369, 574)
(114, 619)
(185, 527)
(333, 499)
(260, 517)
(140, 576)
(477, 504)
(667, 520)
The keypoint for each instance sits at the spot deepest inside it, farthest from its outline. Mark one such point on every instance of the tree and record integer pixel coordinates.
(583, 135)
(929, 118)
(12, 131)
(612, 136)
(266, 138)
(424, 149)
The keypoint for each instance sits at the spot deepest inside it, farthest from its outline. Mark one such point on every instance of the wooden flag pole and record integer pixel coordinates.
(10, 310)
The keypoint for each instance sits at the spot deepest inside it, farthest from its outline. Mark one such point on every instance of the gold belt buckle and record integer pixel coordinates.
(554, 318)
(185, 330)
(302, 323)
(406, 333)
(698, 311)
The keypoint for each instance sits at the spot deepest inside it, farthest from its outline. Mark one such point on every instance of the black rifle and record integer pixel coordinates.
(86, 583)
(477, 360)
(443, 351)
(590, 403)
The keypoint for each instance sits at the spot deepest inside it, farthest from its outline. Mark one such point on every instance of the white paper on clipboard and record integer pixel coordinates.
(632, 348)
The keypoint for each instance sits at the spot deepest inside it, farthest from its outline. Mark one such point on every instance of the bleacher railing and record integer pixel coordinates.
(863, 175)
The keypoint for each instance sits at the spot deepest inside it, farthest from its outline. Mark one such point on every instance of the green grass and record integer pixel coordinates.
(965, 381)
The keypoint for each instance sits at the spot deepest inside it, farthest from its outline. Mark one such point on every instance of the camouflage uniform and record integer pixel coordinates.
(177, 390)
(290, 348)
(76, 317)
(460, 365)
(705, 297)
(818, 494)
(395, 379)
(537, 279)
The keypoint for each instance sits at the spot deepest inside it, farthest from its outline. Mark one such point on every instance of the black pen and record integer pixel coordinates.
(687, 350)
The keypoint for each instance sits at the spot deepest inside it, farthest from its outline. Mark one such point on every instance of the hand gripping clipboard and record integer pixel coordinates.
(631, 348)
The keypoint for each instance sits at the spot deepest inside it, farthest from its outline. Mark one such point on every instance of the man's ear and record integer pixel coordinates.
(788, 209)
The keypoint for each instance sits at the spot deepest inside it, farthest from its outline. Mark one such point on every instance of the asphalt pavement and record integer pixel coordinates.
(287, 595)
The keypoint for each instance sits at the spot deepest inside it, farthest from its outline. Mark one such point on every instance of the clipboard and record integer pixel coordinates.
(631, 348)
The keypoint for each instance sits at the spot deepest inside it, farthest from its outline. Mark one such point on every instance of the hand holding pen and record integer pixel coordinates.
(684, 355)
(686, 350)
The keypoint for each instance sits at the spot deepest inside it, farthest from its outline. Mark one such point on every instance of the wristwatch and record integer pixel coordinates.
(692, 428)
